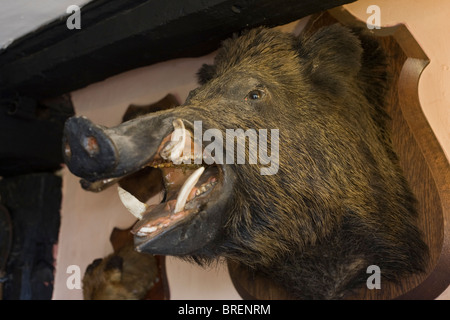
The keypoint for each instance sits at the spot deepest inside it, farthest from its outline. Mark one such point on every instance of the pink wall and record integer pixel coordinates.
(88, 218)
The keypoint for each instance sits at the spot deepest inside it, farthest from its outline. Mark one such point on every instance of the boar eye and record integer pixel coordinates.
(255, 95)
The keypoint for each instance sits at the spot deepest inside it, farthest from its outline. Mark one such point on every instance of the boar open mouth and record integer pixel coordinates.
(189, 185)
(186, 193)
(193, 192)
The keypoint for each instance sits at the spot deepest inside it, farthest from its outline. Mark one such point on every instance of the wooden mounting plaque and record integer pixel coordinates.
(421, 157)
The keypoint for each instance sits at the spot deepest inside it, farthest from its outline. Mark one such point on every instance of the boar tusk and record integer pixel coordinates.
(136, 207)
(187, 188)
(175, 147)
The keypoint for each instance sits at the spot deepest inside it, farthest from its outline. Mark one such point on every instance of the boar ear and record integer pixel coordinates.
(113, 269)
(90, 268)
(205, 73)
(331, 57)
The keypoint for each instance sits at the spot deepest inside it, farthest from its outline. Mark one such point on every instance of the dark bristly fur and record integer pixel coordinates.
(339, 202)
(123, 275)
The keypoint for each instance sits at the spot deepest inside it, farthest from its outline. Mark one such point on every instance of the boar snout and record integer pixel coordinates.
(87, 149)
(95, 152)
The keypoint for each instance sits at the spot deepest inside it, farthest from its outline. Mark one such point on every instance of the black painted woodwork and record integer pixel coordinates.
(116, 36)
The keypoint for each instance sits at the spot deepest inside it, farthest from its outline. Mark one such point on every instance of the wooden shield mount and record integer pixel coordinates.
(421, 157)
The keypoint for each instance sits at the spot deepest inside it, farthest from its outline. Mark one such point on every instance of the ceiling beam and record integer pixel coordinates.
(117, 36)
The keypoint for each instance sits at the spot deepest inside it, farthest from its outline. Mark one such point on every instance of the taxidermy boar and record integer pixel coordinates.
(316, 197)
(123, 275)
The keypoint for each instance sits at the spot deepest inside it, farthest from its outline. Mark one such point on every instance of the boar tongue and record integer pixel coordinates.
(174, 178)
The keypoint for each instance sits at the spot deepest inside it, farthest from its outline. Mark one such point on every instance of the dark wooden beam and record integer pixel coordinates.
(31, 134)
(33, 203)
(117, 36)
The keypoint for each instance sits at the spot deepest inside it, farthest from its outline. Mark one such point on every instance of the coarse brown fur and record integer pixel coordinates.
(124, 275)
(339, 202)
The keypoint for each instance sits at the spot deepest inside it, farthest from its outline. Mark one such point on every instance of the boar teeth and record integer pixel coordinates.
(145, 230)
(136, 207)
(186, 189)
(175, 147)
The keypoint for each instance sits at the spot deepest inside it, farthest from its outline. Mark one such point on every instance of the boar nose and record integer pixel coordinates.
(87, 148)
(95, 152)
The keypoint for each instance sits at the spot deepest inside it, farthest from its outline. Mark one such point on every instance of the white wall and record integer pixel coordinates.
(18, 17)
